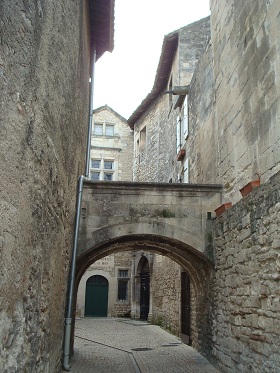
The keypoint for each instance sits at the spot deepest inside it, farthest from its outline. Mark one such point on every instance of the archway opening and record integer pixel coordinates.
(154, 254)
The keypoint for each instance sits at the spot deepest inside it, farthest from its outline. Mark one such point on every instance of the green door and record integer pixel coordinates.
(96, 296)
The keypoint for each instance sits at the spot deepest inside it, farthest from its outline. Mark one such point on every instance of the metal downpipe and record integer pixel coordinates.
(68, 319)
(90, 114)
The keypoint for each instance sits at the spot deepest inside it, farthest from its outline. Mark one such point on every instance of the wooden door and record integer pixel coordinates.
(96, 303)
(144, 296)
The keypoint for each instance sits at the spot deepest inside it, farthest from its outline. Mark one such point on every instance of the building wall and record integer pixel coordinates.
(155, 162)
(159, 162)
(166, 293)
(123, 260)
(118, 147)
(247, 91)
(44, 114)
(192, 41)
(234, 99)
(201, 143)
(247, 313)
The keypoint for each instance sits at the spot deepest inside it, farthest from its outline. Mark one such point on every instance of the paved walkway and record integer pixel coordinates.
(127, 346)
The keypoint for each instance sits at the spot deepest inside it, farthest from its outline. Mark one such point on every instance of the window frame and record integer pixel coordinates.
(101, 170)
(109, 125)
(185, 119)
(97, 125)
(142, 144)
(104, 126)
(122, 281)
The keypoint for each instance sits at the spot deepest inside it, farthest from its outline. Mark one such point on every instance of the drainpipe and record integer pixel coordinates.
(90, 114)
(68, 319)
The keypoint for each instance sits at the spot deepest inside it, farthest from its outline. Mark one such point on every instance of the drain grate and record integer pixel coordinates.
(171, 345)
(141, 349)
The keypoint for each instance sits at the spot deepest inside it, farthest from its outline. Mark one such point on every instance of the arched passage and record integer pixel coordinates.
(196, 264)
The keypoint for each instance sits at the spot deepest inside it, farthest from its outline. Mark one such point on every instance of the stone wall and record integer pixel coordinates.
(201, 144)
(192, 41)
(234, 98)
(166, 293)
(123, 260)
(157, 163)
(245, 45)
(247, 295)
(44, 114)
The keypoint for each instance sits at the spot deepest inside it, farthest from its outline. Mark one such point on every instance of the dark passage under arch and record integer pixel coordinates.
(145, 289)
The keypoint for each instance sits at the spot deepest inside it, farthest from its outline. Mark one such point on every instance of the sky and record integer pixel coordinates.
(126, 76)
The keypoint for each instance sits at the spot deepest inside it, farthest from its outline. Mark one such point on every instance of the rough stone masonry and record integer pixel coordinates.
(247, 293)
(44, 109)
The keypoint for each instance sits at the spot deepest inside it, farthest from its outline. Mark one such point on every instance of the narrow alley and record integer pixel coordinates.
(105, 345)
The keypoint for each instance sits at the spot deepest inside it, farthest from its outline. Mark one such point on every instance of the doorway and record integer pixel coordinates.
(144, 289)
(96, 302)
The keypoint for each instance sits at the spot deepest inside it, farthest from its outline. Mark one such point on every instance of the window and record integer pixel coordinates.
(95, 163)
(108, 165)
(123, 285)
(107, 129)
(98, 129)
(108, 176)
(123, 273)
(102, 169)
(142, 145)
(122, 290)
(178, 133)
(95, 176)
(182, 125)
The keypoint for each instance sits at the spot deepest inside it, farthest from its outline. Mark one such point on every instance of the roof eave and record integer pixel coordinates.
(102, 26)
(169, 47)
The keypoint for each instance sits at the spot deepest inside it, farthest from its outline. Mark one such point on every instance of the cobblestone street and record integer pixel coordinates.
(129, 346)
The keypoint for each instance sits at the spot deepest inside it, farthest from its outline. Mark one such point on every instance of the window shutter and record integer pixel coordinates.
(185, 118)
(186, 170)
(178, 127)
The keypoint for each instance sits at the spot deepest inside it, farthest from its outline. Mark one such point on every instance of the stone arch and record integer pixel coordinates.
(196, 263)
(143, 264)
(117, 232)
(199, 267)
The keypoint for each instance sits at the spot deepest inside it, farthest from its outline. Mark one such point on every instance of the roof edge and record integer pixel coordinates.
(169, 47)
(104, 107)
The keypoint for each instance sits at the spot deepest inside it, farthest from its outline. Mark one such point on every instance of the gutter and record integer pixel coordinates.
(69, 306)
